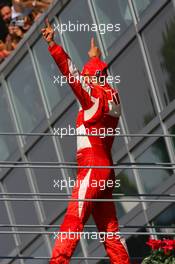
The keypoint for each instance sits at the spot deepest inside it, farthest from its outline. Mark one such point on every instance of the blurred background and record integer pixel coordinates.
(143, 54)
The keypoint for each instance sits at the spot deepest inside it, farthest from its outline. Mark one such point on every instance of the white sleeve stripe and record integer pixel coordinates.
(88, 114)
(74, 71)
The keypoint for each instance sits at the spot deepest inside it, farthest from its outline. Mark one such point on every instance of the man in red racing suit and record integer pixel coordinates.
(99, 109)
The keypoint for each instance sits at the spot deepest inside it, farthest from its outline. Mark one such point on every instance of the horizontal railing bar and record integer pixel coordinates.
(67, 194)
(87, 200)
(93, 135)
(87, 167)
(87, 232)
(86, 226)
(75, 163)
(47, 258)
(73, 258)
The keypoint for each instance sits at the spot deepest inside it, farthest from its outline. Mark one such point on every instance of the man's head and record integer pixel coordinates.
(95, 71)
(5, 12)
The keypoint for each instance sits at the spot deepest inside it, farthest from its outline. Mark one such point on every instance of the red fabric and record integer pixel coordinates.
(104, 213)
(100, 119)
(94, 65)
(92, 151)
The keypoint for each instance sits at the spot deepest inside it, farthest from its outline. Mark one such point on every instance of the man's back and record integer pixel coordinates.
(97, 121)
(99, 104)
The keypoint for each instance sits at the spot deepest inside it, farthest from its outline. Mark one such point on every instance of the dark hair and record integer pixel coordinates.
(3, 4)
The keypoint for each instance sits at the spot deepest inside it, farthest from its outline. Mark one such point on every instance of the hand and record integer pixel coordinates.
(18, 5)
(6, 53)
(18, 32)
(94, 50)
(2, 45)
(48, 33)
(15, 31)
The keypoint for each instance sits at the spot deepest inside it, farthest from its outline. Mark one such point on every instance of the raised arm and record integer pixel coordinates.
(81, 89)
(19, 5)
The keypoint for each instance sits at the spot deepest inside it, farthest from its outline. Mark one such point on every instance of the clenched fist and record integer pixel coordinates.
(48, 33)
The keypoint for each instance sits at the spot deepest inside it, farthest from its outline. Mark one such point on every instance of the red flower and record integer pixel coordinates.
(168, 245)
(154, 244)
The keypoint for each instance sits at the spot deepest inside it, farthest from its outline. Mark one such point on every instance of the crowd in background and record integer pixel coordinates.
(16, 17)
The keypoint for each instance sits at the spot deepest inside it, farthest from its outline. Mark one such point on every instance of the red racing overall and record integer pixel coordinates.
(99, 111)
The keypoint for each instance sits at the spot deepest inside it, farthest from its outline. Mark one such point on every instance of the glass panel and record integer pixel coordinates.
(78, 41)
(172, 131)
(52, 240)
(68, 120)
(24, 211)
(157, 153)
(117, 12)
(68, 142)
(138, 241)
(134, 89)
(6, 240)
(162, 30)
(26, 95)
(48, 69)
(119, 142)
(40, 250)
(166, 218)
(142, 5)
(126, 184)
(8, 144)
(48, 180)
